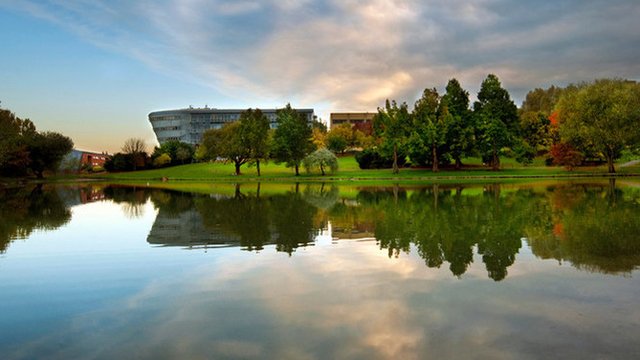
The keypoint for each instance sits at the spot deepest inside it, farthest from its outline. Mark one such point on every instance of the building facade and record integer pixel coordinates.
(188, 125)
(353, 118)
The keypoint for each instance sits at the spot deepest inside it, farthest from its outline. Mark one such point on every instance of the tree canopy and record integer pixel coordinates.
(603, 114)
(496, 118)
(292, 139)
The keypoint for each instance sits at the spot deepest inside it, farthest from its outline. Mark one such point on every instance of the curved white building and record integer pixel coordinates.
(188, 125)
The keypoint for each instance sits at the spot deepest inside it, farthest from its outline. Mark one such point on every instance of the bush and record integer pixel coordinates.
(371, 158)
(162, 160)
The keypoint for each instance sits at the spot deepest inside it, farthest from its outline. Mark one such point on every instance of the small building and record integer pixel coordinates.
(353, 118)
(85, 158)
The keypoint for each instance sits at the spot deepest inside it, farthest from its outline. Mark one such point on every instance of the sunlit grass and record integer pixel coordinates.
(349, 171)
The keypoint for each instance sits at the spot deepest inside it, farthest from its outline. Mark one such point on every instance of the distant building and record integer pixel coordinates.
(353, 118)
(89, 157)
(188, 125)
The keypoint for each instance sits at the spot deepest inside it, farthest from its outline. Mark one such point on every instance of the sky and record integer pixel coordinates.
(94, 69)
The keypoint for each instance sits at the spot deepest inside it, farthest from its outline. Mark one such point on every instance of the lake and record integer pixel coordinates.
(319, 271)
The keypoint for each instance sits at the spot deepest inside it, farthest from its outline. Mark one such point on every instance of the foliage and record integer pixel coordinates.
(178, 153)
(162, 160)
(323, 159)
(430, 121)
(603, 114)
(392, 124)
(24, 149)
(230, 145)
(46, 151)
(137, 151)
(373, 158)
(460, 127)
(125, 162)
(254, 135)
(566, 155)
(292, 138)
(496, 117)
(524, 153)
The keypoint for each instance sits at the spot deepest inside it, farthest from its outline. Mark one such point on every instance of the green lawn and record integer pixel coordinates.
(349, 170)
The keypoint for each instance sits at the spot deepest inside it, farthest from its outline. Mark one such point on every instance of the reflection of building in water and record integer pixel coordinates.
(187, 229)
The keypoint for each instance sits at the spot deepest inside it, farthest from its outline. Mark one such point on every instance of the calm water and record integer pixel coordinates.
(546, 270)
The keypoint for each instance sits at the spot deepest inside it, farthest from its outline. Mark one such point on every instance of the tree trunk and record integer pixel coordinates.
(609, 156)
(434, 151)
(258, 166)
(495, 162)
(322, 169)
(238, 168)
(458, 163)
(297, 172)
(395, 159)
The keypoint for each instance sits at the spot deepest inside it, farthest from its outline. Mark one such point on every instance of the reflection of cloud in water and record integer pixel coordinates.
(349, 300)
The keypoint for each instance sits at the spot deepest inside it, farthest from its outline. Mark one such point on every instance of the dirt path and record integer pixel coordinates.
(630, 163)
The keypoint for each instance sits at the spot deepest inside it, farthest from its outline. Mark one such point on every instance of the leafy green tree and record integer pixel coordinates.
(179, 152)
(392, 124)
(429, 127)
(210, 145)
(232, 146)
(14, 154)
(46, 151)
(497, 119)
(292, 138)
(603, 114)
(254, 131)
(460, 127)
(323, 159)
(162, 160)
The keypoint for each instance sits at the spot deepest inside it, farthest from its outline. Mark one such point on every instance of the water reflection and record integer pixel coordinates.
(595, 227)
(23, 210)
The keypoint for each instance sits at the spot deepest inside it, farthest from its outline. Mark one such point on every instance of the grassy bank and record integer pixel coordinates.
(349, 171)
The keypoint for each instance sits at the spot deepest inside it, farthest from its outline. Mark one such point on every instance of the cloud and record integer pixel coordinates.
(352, 54)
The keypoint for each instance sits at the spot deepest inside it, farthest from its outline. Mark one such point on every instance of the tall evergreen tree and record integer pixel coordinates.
(460, 128)
(429, 126)
(496, 117)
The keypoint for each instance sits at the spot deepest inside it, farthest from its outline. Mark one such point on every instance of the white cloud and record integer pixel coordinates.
(352, 54)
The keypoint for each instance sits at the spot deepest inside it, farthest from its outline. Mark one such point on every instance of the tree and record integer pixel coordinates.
(254, 133)
(497, 119)
(392, 125)
(14, 132)
(340, 138)
(460, 127)
(292, 138)
(322, 158)
(137, 149)
(232, 147)
(179, 152)
(603, 114)
(46, 151)
(429, 126)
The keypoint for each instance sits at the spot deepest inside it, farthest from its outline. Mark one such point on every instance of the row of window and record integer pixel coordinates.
(167, 128)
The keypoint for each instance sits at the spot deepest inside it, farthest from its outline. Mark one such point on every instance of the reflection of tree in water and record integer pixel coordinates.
(444, 226)
(131, 199)
(284, 219)
(598, 229)
(26, 209)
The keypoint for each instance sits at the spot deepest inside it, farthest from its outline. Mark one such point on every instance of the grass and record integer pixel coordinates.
(349, 171)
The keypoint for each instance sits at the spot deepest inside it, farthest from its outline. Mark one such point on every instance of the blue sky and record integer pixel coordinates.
(94, 69)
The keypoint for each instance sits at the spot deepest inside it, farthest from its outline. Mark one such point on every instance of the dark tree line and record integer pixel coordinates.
(26, 151)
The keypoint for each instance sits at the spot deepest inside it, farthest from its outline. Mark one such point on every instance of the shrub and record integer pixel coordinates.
(372, 158)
